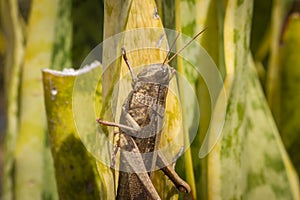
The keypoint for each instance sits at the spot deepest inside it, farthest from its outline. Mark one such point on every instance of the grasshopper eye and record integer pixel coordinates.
(164, 70)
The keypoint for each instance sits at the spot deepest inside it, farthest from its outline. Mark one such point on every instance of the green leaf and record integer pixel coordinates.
(14, 53)
(279, 11)
(61, 53)
(290, 86)
(195, 16)
(31, 147)
(87, 31)
(260, 25)
(249, 161)
(76, 169)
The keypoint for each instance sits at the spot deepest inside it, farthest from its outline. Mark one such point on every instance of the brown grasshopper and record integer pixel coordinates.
(140, 129)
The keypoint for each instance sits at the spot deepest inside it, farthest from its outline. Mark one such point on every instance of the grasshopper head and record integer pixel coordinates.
(157, 73)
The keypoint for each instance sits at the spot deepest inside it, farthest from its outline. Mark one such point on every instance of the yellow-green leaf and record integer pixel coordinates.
(76, 169)
(31, 147)
(14, 53)
(249, 161)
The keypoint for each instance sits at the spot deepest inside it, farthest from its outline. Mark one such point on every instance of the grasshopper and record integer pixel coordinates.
(140, 127)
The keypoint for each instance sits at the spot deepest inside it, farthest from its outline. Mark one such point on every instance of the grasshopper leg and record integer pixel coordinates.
(121, 126)
(114, 155)
(134, 159)
(169, 171)
(115, 151)
(131, 153)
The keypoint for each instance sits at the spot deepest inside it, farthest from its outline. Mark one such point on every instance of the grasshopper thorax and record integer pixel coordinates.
(156, 73)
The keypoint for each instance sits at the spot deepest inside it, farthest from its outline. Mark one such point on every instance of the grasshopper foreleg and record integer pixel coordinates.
(121, 126)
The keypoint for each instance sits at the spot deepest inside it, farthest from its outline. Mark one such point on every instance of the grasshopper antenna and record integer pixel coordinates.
(178, 52)
(171, 47)
(134, 78)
